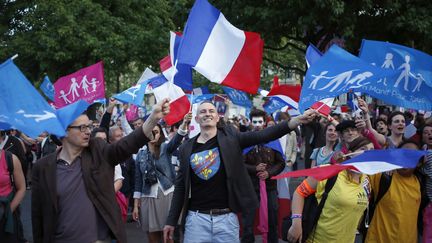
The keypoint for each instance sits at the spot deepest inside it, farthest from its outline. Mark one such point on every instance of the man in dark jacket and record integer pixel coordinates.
(212, 184)
(73, 197)
(262, 162)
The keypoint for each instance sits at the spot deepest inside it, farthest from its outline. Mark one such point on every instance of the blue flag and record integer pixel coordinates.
(23, 108)
(338, 72)
(133, 95)
(201, 90)
(414, 67)
(200, 98)
(237, 97)
(273, 104)
(47, 88)
(312, 55)
(275, 145)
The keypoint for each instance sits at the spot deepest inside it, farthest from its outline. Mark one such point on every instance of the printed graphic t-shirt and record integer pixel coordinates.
(208, 177)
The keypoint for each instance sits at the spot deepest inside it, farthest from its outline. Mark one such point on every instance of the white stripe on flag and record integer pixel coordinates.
(288, 100)
(374, 167)
(168, 90)
(221, 51)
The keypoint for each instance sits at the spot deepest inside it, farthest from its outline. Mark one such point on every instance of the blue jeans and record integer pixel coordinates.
(201, 228)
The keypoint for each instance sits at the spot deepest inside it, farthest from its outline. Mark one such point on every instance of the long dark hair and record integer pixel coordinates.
(159, 142)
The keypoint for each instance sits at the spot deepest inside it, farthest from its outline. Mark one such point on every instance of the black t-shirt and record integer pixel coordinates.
(208, 177)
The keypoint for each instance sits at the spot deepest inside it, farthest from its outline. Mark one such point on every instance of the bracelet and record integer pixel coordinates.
(296, 216)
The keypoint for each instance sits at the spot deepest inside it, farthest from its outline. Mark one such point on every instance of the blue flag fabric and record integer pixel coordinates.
(201, 90)
(275, 145)
(47, 88)
(200, 98)
(414, 67)
(23, 107)
(133, 95)
(67, 114)
(312, 55)
(237, 97)
(338, 72)
(273, 104)
(183, 76)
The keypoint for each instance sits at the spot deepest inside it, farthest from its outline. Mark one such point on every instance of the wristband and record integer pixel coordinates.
(296, 216)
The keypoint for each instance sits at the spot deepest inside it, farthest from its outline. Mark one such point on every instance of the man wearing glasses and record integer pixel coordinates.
(73, 197)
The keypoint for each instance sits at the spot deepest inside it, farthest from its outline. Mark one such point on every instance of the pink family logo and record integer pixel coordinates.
(85, 84)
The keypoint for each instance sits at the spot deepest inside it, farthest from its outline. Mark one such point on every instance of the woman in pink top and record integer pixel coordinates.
(11, 195)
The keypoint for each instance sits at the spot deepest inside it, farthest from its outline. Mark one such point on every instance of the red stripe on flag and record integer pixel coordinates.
(246, 72)
(319, 173)
(178, 109)
(292, 91)
(321, 108)
(165, 63)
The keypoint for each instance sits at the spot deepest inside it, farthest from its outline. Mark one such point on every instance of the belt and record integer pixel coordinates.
(217, 211)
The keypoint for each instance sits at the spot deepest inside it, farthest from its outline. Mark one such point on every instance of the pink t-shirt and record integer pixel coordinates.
(5, 185)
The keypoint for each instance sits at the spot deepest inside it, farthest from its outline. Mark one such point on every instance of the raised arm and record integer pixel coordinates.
(379, 137)
(306, 188)
(125, 147)
(106, 118)
(181, 132)
(248, 139)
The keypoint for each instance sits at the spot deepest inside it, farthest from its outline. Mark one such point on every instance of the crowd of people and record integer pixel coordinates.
(86, 185)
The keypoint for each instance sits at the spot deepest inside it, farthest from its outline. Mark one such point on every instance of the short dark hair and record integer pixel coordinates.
(393, 114)
(257, 113)
(97, 130)
(380, 120)
(345, 125)
(408, 141)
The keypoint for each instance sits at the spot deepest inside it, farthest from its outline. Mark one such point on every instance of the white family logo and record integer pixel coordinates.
(73, 89)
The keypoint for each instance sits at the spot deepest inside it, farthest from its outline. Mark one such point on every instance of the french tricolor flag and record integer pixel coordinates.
(324, 106)
(370, 162)
(219, 51)
(181, 74)
(289, 94)
(179, 103)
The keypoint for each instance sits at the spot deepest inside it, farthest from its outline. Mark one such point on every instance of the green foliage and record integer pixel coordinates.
(58, 37)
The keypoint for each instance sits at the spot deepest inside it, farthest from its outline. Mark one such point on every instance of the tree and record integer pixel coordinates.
(59, 37)
(287, 27)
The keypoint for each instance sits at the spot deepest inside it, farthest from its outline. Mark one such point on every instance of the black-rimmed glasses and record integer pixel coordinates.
(83, 128)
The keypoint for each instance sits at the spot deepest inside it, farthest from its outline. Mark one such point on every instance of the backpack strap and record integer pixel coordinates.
(329, 185)
(10, 166)
(384, 185)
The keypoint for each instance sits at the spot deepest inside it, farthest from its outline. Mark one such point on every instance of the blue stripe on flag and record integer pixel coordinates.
(406, 158)
(157, 81)
(199, 26)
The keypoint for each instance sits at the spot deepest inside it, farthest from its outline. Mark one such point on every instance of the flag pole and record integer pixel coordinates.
(14, 56)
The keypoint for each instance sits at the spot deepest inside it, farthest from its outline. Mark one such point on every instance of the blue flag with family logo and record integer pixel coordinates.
(273, 104)
(23, 107)
(133, 95)
(47, 88)
(414, 66)
(338, 72)
(199, 98)
(237, 97)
